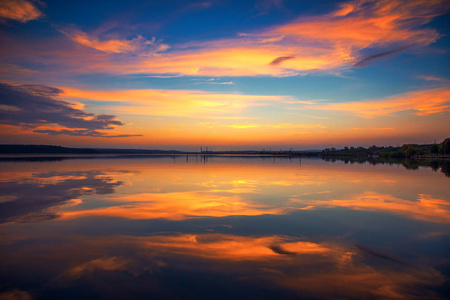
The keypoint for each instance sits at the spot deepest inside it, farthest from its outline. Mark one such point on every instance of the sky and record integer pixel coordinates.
(230, 75)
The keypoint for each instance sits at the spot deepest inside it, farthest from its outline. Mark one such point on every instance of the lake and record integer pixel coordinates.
(177, 227)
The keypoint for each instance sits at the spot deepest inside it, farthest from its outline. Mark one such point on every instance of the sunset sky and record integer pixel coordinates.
(225, 74)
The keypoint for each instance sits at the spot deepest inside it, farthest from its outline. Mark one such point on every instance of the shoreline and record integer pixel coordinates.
(217, 154)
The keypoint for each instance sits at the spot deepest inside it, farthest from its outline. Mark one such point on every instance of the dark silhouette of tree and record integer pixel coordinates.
(434, 149)
(445, 146)
(411, 150)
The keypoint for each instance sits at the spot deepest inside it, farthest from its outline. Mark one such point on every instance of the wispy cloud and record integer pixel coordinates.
(280, 59)
(432, 78)
(313, 117)
(245, 126)
(215, 81)
(19, 10)
(321, 43)
(135, 44)
(421, 103)
(367, 60)
(82, 132)
(278, 126)
(381, 129)
(186, 103)
(264, 6)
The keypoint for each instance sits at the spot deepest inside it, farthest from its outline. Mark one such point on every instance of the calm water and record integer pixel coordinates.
(240, 228)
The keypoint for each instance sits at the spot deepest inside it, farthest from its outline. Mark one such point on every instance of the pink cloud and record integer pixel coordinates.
(138, 43)
(19, 10)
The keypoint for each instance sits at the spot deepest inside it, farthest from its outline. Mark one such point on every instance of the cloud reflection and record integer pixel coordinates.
(38, 197)
(425, 208)
(178, 206)
(321, 270)
(105, 263)
(157, 233)
(213, 203)
(292, 263)
(15, 295)
(215, 192)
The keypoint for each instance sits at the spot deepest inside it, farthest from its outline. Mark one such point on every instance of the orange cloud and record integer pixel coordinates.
(345, 9)
(330, 42)
(174, 102)
(356, 26)
(19, 10)
(111, 45)
(327, 42)
(242, 57)
(423, 103)
(224, 108)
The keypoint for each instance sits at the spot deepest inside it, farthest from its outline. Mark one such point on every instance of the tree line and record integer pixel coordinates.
(407, 150)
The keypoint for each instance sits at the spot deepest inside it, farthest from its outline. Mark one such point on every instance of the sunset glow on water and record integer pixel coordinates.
(225, 227)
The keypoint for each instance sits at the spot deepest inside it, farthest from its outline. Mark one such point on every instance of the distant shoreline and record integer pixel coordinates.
(188, 154)
(414, 151)
(441, 162)
(209, 154)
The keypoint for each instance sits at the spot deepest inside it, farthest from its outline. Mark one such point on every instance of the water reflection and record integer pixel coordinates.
(273, 264)
(219, 191)
(232, 228)
(408, 163)
(39, 196)
(425, 207)
(177, 206)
